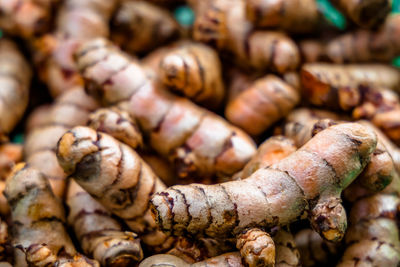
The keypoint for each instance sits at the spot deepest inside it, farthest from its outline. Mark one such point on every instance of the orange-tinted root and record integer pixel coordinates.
(70, 109)
(26, 18)
(256, 248)
(271, 151)
(314, 175)
(113, 174)
(223, 24)
(15, 82)
(140, 27)
(100, 235)
(194, 70)
(265, 102)
(366, 45)
(296, 16)
(367, 13)
(198, 142)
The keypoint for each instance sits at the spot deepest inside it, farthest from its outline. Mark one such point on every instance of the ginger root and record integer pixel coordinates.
(296, 16)
(279, 194)
(113, 174)
(10, 154)
(267, 100)
(26, 18)
(373, 235)
(271, 151)
(365, 13)
(76, 21)
(15, 81)
(139, 27)
(194, 70)
(367, 45)
(100, 235)
(232, 259)
(39, 235)
(223, 24)
(197, 141)
(300, 122)
(314, 251)
(256, 248)
(46, 127)
(118, 124)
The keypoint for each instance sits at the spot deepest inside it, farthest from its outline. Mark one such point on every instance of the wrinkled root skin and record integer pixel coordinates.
(256, 248)
(310, 178)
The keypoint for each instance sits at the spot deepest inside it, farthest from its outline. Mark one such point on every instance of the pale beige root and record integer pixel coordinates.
(287, 254)
(113, 174)
(15, 82)
(194, 70)
(373, 236)
(76, 21)
(312, 50)
(256, 248)
(26, 18)
(271, 151)
(300, 122)
(195, 250)
(393, 149)
(367, 46)
(309, 180)
(338, 86)
(160, 167)
(266, 101)
(38, 219)
(296, 16)
(70, 109)
(314, 251)
(198, 142)
(10, 154)
(232, 259)
(139, 26)
(223, 24)
(117, 123)
(365, 13)
(100, 235)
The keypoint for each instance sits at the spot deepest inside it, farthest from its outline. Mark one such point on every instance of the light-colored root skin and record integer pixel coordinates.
(99, 234)
(312, 176)
(256, 248)
(113, 174)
